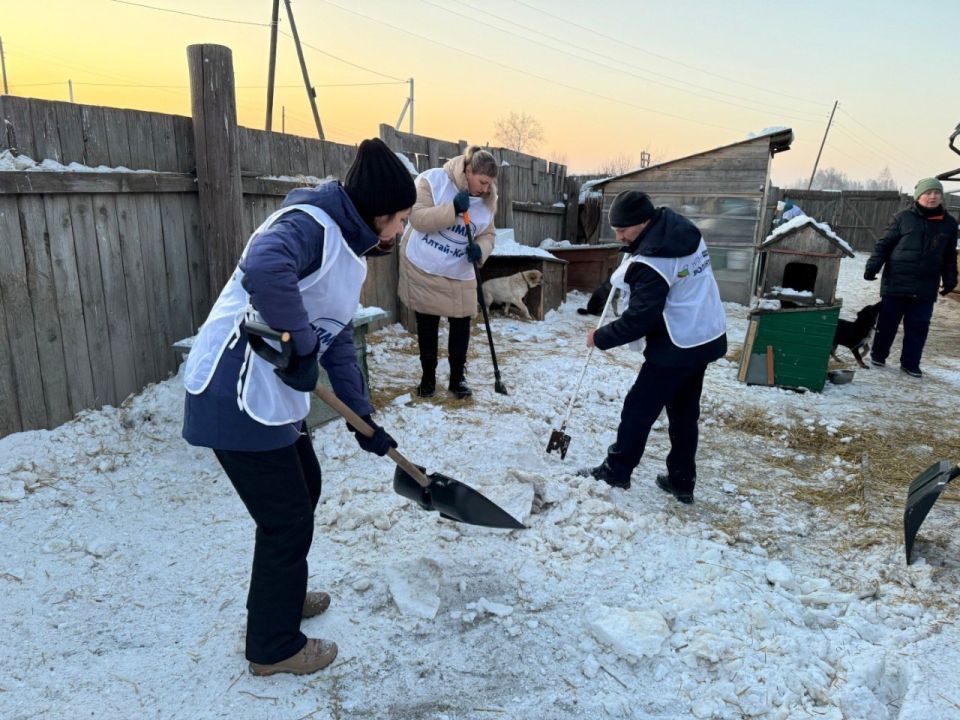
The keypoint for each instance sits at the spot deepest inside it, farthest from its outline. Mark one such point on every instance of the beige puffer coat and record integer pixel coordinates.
(434, 294)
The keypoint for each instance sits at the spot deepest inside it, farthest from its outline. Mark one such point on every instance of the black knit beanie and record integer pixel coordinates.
(377, 182)
(629, 208)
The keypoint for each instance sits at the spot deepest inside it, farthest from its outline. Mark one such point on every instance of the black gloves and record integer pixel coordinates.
(381, 441)
(947, 290)
(461, 202)
(474, 253)
(869, 275)
(303, 371)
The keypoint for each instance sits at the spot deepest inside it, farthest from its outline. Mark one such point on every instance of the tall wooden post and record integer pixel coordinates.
(214, 107)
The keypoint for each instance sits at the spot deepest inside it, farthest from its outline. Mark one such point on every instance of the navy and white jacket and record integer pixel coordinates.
(288, 251)
(669, 235)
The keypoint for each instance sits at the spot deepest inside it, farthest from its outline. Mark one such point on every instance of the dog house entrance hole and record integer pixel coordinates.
(800, 276)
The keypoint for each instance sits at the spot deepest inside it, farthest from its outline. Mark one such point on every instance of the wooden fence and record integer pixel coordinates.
(101, 271)
(858, 216)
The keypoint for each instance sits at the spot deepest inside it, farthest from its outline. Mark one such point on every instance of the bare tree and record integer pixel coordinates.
(519, 131)
(557, 157)
(618, 164)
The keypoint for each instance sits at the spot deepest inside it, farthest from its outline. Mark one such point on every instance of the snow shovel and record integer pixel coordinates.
(498, 383)
(924, 491)
(559, 440)
(451, 498)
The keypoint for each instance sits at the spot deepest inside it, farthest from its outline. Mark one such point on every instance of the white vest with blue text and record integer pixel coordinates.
(444, 253)
(693, 312)
(330, 296)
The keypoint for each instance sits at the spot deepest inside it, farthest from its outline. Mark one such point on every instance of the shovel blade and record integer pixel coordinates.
(924, 491)
(560, 441)
(454, 500)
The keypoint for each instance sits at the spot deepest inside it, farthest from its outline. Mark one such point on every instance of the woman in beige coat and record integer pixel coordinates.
(436, 261)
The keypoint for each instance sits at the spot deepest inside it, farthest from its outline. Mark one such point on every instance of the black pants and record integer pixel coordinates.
(281, 489)
(915, 315)
(657, 387)
(428, 328)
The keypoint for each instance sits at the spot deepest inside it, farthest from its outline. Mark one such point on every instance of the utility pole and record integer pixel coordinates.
(70, 87)
(3, 64)
(822, 143)
(407, 105)
(283, 118)
(311, 93)
(271, 72)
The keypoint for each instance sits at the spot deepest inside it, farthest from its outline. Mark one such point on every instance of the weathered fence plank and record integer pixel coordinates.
(67, 283)
(140, 134)
(10, 417)
(19, 327)
(13, 182)
(18, 123)
(128, 228)
(46, 314)
(174, 234)
(95, 148)
(70, 130)
(46, 138)
(115, 296)
(91, 296)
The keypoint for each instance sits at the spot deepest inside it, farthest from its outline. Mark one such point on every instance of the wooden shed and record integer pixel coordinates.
(724, 191)
(800, 261)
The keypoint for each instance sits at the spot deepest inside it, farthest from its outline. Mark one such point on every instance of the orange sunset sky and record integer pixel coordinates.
(605, 80)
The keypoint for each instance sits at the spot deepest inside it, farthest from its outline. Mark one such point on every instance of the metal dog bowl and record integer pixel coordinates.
(840, 377)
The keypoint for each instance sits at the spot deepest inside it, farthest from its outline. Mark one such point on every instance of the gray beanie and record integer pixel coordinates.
(629, 208)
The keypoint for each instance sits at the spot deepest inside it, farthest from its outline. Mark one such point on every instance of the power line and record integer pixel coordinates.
(646, 75)
(184, 87)
(664, 57)
(491, 61)
(873, 150)
(244, 22)
(340, 59)
(902, 154)
(190, 14)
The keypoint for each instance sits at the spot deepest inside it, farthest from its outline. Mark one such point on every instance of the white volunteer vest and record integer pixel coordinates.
(330, 296)
(445, 252)
(693, 312)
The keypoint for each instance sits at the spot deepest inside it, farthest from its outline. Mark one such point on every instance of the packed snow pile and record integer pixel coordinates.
(780, 594)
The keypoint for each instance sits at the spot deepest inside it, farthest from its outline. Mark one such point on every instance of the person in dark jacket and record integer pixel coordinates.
(672, 301)
(917, 253)
(301, 271)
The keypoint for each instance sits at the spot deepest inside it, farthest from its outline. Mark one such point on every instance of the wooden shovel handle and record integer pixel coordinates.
(364, 429)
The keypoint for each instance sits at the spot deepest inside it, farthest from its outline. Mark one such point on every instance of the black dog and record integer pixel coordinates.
(598, 298)
(855, 334)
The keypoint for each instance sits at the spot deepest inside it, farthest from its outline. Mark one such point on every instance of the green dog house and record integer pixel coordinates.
(790, 333)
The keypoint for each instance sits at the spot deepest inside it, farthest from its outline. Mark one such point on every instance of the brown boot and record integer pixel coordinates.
(314, 604)
(313, 656)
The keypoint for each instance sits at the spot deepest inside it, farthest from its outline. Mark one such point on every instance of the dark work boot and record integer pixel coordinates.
(427, 386)
(458, 386)
(681, 490)
(604, 471)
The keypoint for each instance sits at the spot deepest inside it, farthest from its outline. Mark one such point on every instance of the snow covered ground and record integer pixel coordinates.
(781, 593)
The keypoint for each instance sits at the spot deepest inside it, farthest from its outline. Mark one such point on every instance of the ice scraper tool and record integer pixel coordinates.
(559, 440)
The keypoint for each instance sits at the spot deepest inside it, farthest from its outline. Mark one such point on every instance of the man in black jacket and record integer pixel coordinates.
(672, 302)
(918, 250)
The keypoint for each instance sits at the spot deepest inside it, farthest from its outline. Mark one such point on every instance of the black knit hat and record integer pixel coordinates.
(377, 182)
(631, 207)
